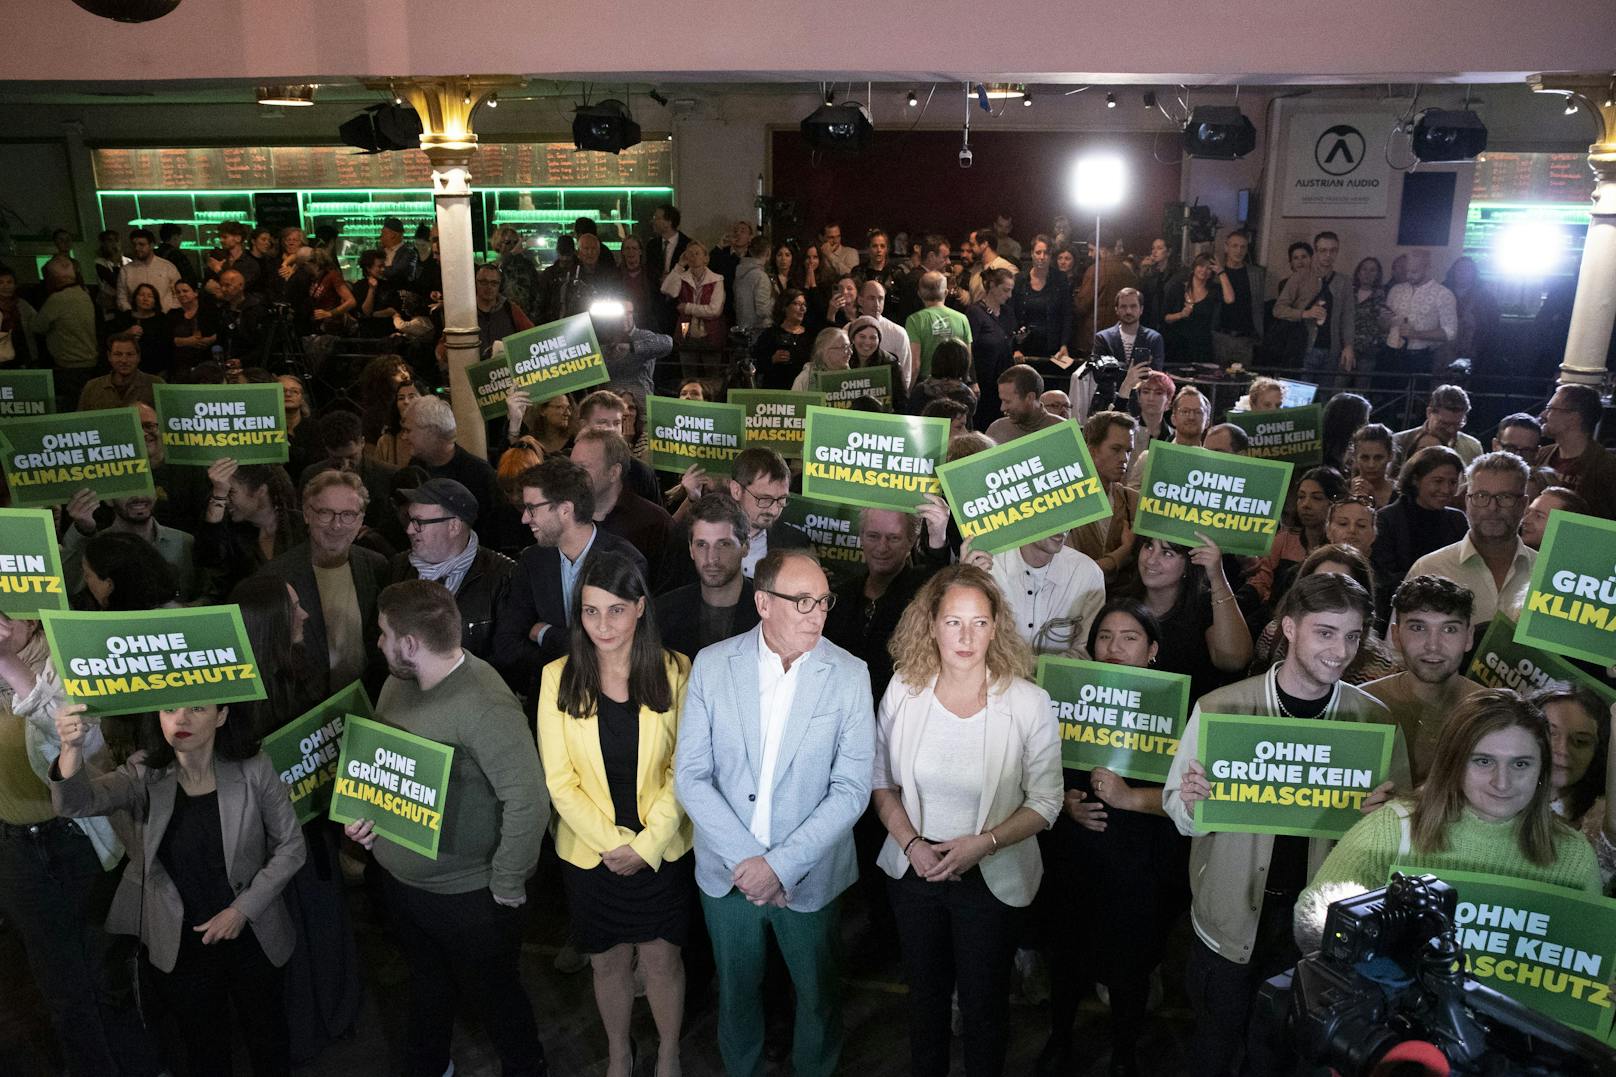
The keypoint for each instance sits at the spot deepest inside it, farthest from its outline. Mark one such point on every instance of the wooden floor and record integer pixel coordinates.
(875, 1011)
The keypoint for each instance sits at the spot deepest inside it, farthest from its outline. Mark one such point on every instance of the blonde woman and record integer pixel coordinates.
(967, 770)
(832, 351)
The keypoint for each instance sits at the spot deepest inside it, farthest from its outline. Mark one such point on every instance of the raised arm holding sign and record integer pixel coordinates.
(874, 461)
(1234, 500)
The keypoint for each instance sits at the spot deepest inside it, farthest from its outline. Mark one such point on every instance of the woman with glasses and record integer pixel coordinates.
(967, 769)
(832, 351)
(780, 351)
(1419, 521)
(608, 722)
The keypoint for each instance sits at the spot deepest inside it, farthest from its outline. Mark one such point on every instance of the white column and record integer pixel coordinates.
(451, 194)
(1594, 311)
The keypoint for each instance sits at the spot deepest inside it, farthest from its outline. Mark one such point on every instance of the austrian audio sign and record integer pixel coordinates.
(1336, 166)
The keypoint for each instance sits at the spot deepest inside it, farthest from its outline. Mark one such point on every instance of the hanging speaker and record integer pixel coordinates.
(845, 128)
(1219, 133)
(605, 126)
(129, 10)
(381, 128)
(1444, 135)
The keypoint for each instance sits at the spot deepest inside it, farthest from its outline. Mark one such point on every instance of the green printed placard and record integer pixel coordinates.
(842, 387)
(1548, 947)
(776, 418)
(555, 358)
(490, 385)
(834, 531)
(1295, 435)
(871, 460)
(1501, 661)
(305, 749)
(30, 564)
(1024, 490)
(1570, 604)
(1234, 500)
(685, 432)
(1125, 718)
(26, 392)
(146, 660)
(203, 423)
(397, 780)
(1304, 776)
(49, 458)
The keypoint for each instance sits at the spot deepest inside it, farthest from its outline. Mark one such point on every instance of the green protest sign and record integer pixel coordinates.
(1305, 776)
(145, 660)
(842, 387)
(834, 531)
(1125, 718)
(1024, 490)
(1234, 500)
(874, 461)
(1545, 946)
(1570, 604)
(490, 385)
(685, 432)
(30, 564)
(49, 458)
(1501, 661)
(555, 358)
(304, 750)
(776, 418)
(397, 780)
(203, 423)
(26, 392)
(1295, 435)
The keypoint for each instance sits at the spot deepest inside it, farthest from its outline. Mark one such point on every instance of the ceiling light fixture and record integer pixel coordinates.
(1110, 100)
(295, 95)
(1000, 91)
(1571, 108)
(913, 100)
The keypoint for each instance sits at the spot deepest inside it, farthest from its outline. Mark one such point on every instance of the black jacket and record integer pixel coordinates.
(482, 592)
(369, 571)
(678, 616)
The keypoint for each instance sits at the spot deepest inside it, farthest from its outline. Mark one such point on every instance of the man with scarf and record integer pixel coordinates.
(443, 547)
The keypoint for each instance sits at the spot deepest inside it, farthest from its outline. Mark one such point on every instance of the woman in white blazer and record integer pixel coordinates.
(967, 769)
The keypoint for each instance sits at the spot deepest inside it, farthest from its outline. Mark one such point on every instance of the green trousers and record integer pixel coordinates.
(809, 943)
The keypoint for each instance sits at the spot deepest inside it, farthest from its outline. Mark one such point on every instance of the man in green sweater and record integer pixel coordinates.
(456, 916)
(1245, 885)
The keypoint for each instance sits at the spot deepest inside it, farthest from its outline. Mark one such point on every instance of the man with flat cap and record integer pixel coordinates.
(438, 519)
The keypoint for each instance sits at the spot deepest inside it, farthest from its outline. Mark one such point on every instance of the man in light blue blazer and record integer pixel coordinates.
(775, 758)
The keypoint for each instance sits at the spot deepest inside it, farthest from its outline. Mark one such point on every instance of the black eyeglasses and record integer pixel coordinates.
(806, 603)
(1503, 501)
(420, 523)
(346, 517)
(530, 507)
(766, 502)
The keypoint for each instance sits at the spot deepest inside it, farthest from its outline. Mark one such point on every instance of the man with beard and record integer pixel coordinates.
(444, 549)
(1490, 561)
(1109, 541)
(456, 916)
(1432, 632)
(133, 515)
(182, 492)
(719, 604)
(760, 483)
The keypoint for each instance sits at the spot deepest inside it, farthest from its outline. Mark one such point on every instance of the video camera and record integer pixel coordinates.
(1108, 372)
(1389, 971)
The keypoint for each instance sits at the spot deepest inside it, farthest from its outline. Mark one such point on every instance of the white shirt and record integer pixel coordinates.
(777, 687)
(948, 773)
(1127, 344)
(1071, 586)
(757, 548)
(1461, 563)
(1430, 306)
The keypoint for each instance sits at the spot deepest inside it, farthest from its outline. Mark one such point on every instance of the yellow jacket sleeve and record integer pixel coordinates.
(583, 830)
(666, 826)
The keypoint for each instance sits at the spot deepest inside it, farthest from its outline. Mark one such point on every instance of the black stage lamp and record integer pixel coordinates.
(1219, 133)
(381, 128)
(845, 128)
(129, 10)
(605, 126)
(1446, 135)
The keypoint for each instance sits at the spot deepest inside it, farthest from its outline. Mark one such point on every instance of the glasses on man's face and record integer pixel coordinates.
(1486, 500)
(531, 508)
(806, 604)
(1185, 413)
(765, 502)
(345, 517)
(421, 523)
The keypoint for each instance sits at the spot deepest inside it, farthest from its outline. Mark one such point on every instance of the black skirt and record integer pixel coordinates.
(609, 910)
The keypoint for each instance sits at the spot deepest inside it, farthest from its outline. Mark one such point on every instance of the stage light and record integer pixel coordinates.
(913, 100)
(845, 128)
(129, 10)
(1026, 100)
(1150, 99)
(1110, 100)
(1571, 108)
(1098, 182)
(1444, 135)
(492, 101)
(293, 96)
(1528, 248)
(606, 126)
(383, 127)
(1219, 133)
(606, 309)
(830, 97)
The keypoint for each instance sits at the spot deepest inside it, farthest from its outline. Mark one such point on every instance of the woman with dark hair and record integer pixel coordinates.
(608, 725)
(1375, 659)
(950, 374)
(1581, 775)
(1191, 305)
(146, 321)
(1419, 521)
(1343, 416)
(213, 841)
(780, 275)
(1316, 491)
(16, 318)
(263, 522)
(123, 571)
(550, 423)
(1485, 806)
(1371, 453)
(782, 349)
(1204, 634)
(864, 333)
(194, 326)
(379, 406)
(1042, 299)
(322, 987)
(1110, 830)
(1479, 316)
(1368, 311)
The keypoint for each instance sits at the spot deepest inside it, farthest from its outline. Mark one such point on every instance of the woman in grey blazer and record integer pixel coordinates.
(213, 841)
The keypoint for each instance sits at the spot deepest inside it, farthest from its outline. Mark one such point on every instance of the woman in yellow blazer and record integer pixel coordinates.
(608, 723)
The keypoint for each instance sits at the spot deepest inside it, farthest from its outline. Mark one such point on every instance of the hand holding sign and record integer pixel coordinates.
(1194, 787)
(361, 832)
(72, 725)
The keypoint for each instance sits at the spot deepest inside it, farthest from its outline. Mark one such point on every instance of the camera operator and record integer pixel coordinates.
(1486, 806)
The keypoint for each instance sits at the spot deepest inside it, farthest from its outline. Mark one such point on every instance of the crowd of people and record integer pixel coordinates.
(658, 681)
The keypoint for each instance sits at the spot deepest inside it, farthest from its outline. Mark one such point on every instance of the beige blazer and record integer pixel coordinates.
(263, 849)
(1021, 768)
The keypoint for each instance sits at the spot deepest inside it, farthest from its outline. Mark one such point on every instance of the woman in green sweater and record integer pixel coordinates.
(1485, 807)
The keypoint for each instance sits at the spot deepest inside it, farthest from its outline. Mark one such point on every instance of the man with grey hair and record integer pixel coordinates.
(1491, 560)
(934, 323)
(438, 516)
(429, 430)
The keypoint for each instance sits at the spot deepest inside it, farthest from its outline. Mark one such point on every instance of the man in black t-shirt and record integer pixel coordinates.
(720, 603)
(1244, 316)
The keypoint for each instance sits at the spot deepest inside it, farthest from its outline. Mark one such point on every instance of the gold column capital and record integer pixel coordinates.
(446, 106)
(1596, 92)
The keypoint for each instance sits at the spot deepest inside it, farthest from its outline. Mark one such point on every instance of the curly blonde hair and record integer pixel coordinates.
(914, 648)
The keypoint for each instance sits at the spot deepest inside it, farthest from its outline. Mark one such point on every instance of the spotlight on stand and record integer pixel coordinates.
(1219, 133)
(1445, 135)
(604, 126)
(381, 128)
(845, 128)
(129, 10)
